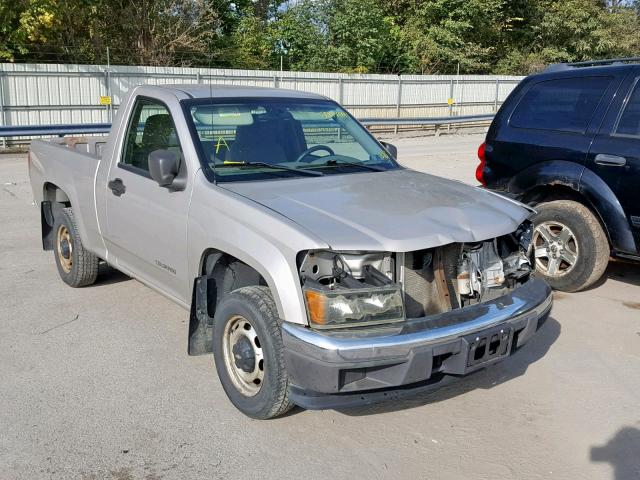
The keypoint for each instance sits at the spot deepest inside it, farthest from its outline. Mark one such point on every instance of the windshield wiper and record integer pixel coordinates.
(268, 165)
(335, 162)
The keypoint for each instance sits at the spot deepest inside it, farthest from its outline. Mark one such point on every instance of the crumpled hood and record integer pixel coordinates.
(398, 210)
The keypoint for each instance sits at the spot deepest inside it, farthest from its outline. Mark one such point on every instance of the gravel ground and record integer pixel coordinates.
(95, 383)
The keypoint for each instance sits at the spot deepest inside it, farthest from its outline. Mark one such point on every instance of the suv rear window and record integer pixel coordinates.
(566, 104)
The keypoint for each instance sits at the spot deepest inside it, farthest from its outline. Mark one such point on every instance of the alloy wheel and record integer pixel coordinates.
(556, 249)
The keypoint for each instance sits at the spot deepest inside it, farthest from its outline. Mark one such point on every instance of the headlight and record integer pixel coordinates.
(352, 307)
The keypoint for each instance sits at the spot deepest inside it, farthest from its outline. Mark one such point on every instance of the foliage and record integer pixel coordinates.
(367, 36)
(336, 35)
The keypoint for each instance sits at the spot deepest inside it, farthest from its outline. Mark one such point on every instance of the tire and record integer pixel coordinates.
(77, 267)
(258, 391)
(574, 264)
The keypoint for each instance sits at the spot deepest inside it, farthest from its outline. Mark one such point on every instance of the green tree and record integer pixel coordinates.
(338, 35)
(397, 36)
(253, 45)
(300, 36)
(149, 32)
(25, 24)
(444, 34)
(572, 30)
(361, 36)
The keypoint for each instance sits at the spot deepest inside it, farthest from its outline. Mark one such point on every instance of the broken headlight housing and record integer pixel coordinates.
(348, 289)
(352, 307)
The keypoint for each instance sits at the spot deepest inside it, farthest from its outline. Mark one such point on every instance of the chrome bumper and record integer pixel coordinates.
(340, 362)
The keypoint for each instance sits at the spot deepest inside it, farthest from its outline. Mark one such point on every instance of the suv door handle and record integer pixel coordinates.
(117, 187)
(610, 160)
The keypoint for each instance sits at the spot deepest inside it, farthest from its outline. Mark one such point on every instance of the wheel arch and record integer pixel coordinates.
(53, 193)
(562, 180)
(609, 210)
(218, 274)
(54, 199)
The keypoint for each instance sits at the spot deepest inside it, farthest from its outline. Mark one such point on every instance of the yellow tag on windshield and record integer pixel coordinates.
(221, 142)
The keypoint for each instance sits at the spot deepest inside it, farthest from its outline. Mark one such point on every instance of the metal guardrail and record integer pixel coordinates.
(54, 130)
(428, 121)
(87, 128)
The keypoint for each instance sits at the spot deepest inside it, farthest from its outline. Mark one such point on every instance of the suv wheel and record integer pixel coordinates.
(571, 249)
(248, 353)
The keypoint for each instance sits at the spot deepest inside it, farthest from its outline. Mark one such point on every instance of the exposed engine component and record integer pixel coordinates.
(486, 269)
(420, 283)
(480, 267)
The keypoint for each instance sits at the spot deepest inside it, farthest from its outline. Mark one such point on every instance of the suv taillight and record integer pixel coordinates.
(480, 167)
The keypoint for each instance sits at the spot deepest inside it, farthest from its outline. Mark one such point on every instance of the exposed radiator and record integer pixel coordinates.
(429, 281)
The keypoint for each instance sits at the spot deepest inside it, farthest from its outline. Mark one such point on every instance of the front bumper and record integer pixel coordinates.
(332, 369)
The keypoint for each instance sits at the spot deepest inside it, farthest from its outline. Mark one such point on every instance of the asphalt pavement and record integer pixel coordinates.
(95, 383)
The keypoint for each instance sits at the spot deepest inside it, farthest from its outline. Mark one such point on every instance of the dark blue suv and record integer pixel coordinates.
(567, 141)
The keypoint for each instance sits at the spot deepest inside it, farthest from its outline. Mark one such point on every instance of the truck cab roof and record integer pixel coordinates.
(235, 91)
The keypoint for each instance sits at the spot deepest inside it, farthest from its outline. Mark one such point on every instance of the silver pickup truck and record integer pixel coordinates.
(316, 269)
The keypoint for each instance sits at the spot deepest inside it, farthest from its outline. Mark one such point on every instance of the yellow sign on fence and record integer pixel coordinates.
(105, 100)
(450, 101)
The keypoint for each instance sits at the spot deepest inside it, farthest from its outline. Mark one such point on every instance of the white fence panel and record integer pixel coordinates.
(40, 94)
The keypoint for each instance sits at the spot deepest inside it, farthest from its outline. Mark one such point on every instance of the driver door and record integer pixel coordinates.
(146, 228)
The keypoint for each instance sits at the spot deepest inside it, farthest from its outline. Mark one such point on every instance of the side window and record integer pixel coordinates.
(629, 123)
(150, 128)
(566, 104)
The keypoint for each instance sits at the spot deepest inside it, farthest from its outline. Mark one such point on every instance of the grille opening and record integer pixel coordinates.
(494, 344)
(480, 349)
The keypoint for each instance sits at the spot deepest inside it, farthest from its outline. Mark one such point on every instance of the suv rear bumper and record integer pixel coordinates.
(347, 368)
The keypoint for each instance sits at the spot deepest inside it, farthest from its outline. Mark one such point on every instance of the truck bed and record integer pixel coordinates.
(70, 164)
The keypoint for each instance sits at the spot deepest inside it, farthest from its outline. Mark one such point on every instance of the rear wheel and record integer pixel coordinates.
(249, 354)
(571, 248)
(77, 267)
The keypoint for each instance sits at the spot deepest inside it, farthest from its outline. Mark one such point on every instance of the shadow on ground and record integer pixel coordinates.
(622, 452)
(622, 271)
(512, 367)
(108, 275)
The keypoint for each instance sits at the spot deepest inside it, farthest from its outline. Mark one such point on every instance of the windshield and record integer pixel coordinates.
(259, 139)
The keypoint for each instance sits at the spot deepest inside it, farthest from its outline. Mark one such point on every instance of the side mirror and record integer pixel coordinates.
(163, 166)
(391, 148)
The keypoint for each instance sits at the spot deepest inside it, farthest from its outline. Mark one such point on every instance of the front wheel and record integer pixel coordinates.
(571, 248)
(249, 354)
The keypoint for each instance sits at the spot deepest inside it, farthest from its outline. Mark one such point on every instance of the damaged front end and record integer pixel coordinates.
(355, 289)
(385, 324)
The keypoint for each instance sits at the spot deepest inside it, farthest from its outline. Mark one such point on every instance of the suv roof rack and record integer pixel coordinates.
(591, 63)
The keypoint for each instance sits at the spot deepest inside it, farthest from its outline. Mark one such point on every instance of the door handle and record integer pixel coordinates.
(117, 187)
(610, 160)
